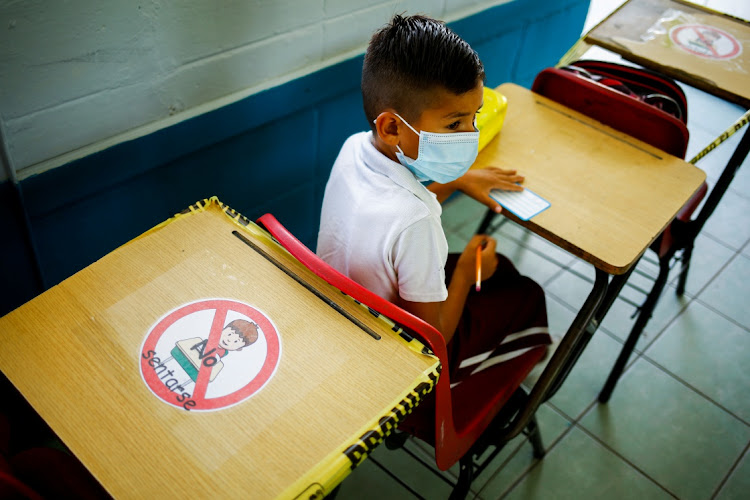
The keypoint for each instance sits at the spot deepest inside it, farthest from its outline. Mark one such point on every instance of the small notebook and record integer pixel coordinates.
(524, 204)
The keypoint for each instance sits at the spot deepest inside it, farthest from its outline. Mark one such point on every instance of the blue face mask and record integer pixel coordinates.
(442, 157)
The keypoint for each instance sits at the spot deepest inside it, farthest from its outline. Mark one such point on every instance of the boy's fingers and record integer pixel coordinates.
(490, 245)
(512, 186)
(504, 170)
(484, 241)
(479, 240)
(491, 204)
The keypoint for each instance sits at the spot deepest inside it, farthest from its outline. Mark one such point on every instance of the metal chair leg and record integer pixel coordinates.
(396, 440)
(466, 476)
(640, 323)
(687, 253)
(486, 221)
(535, 437)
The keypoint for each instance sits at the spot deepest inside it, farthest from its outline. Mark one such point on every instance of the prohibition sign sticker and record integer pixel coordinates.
(210, 354)
(705, 41)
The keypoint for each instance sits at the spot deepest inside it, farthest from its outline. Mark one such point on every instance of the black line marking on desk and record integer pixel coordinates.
(635, 146)
(307, 286)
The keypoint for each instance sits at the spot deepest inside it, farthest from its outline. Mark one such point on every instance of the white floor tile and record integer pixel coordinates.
(738, 483)
(729, 222)
(709, 113)
(709, 257)
(582, 386)
(581, 468)
(674, 435)
(709, 353)
(729, 293)
(369, 482)
(521, 461)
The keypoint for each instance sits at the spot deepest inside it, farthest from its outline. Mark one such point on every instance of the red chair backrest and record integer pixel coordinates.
(451, 441)
(614, 109)
(426, 332)
(12, 487)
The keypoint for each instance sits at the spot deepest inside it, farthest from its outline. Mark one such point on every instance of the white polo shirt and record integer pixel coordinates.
(381, 227)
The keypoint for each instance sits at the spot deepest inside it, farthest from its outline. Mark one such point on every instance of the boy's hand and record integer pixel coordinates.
(445, 315)
(478, 183)
(467, 261)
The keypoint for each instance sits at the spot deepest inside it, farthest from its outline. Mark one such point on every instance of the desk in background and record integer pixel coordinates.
(703, 48)
(695, 45)
(98, 356)
(611, 196)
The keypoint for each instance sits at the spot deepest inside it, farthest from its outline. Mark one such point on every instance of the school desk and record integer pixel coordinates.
(691, 43)
(701, 47)
(105, 358)
(611, 196)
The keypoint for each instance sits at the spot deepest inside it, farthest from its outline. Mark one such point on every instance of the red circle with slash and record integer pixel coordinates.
(158, 367)
(705, 41)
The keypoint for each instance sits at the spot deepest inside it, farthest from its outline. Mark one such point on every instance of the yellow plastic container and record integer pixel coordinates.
(491, 117)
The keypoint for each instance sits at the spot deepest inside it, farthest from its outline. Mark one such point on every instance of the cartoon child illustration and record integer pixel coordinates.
(705, 41)
(190, 353)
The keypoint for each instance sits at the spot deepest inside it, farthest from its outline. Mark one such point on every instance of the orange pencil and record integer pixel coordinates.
(479, 267)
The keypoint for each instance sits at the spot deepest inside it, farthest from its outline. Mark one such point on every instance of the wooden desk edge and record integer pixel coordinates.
(341, 460)
(610, 268)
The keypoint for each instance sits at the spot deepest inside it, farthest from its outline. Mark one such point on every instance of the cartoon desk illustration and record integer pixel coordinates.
(99, 345)
(190, 353)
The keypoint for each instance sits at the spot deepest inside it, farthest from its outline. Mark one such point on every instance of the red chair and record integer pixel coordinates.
(42, 472)
(462, 422)
(12, 488)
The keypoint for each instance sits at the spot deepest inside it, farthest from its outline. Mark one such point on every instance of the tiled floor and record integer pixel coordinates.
(678, 424)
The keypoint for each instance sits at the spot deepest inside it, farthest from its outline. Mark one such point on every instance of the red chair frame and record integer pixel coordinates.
(479, 416)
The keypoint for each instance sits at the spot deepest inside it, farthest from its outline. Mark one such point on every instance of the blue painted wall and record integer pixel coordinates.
(270, 152)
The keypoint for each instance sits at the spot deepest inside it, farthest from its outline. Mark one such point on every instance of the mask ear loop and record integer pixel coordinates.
(412, 129)
(407, 124)
(375, 121)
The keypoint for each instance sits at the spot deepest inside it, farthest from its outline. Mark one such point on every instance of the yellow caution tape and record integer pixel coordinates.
(741, 122)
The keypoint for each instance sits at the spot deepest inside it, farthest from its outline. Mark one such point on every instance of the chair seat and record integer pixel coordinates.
(472, 402)
(663, 244)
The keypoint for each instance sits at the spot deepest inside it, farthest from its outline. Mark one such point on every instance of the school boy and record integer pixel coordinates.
(422, 86)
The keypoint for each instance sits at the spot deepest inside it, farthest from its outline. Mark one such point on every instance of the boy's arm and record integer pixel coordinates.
(444, 316)
(478, 183)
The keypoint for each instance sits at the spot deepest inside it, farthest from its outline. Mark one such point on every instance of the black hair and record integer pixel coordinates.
(408, 58)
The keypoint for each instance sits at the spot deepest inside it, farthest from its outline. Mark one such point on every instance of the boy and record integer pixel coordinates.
(422, 86)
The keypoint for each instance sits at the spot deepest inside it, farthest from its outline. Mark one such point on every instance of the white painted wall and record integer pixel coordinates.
(80, 75)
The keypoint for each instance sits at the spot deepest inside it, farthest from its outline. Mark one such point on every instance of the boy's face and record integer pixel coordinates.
(231, 340)
(447, 113)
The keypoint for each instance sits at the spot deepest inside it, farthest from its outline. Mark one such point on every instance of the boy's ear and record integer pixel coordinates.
(387, 127)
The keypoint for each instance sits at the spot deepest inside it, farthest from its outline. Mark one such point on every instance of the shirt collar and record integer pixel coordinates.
(378, 162)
